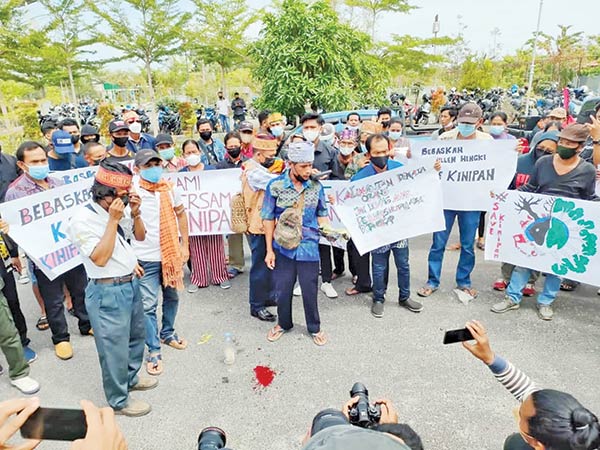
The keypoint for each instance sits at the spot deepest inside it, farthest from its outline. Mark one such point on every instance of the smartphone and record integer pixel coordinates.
(55, 425)
(454, 336)
(319, 175)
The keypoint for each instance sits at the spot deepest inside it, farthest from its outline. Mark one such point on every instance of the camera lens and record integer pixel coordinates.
(327, 418)
(359, 389)
(211, 438)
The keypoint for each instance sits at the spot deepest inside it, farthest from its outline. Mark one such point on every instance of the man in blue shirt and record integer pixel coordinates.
(137, 139)
(295, 189)
(378, 151)
(62, 155)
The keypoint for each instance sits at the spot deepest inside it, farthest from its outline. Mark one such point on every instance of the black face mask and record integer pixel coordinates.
(75, 138)
(120, 141)
(268, 162)
(125, 199)
(234, 152)
(85, 139)
(539, 153)
(379, 161)
(385, 123)
(96, 162)
(206, 135)
(301, 179)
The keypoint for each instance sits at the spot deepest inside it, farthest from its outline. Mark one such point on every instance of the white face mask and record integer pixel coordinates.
(193, 160)
(135, 127)
(346, 150)
(246, 138)
(311, 135)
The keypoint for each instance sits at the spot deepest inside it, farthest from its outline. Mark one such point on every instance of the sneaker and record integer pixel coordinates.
(505, 305)
(26, 385)
(529, 290)
(134, 408)
(192, 288)
(297, 291)
(329, 291)
(500, 285)
(23, 279)
(144, 384)
(377, 309)
(225, 284)
(233, 272)
(545, 312)
(411, 305)
(30, 355)
(64, 350)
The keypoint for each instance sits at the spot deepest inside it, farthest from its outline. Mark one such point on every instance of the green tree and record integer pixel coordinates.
(327, 63)
(144, 30)
(375, 7)
(477, 73)
(219, 38)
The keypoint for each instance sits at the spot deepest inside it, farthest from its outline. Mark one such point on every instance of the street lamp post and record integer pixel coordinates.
(533, 54)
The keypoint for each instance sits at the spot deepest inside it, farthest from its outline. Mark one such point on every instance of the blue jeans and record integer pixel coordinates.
(380, 264)
(468, 222)
(520, 277)
(224, 123)
(261, 285)
(150, 285)
(117, 316)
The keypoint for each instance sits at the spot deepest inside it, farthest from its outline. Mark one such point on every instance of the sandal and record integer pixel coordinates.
(453, 247)
(467, 290)
(426, 291)
(42, 323)
(154, 364)
(319, 338)
(175, 342)
(567, 286)
(275, 333)
(352, 291)
(481, 244)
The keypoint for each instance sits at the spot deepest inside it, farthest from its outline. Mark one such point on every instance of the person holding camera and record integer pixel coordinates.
(548, 419)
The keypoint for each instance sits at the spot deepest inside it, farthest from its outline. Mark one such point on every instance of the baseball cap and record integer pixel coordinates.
(164, 138)
(576, 132)
(62, 142)
(246, 126)
(144, 156)
(470, 113)
(116, 125)
(559, 113)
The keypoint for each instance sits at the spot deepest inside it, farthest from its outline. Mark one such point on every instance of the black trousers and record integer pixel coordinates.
(325, 257)
(54, 297)
(516, 442)
(360, 266)
(12, 298)
(481, 231)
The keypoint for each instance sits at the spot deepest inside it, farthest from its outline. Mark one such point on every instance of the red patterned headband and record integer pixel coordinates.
(113, 179)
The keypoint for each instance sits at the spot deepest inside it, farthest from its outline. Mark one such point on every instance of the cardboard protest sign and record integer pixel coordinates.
(391, 206)
(554, 235)
(471, 169)
(333, 188)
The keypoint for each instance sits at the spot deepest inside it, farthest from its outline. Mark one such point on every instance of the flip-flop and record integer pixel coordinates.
(453, 247)
(275, 333)
(42, 323)
(352, 291)
(426, 291)
(470, 291)
(319, 338)
(154, 365)
(175, 342)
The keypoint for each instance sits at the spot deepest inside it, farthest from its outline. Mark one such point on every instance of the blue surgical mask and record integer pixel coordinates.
(466, 129)
(363, 148)
(167, 153)
(496, 130)
(276, 131)
(152, 174)
(39, 172)
(395, 135)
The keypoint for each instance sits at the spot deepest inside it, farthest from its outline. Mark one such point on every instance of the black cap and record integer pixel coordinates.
(116, 125)
(144, 156)
(164, 138)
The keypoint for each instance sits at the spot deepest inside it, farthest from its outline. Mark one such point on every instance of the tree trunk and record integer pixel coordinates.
(154, 113)
(223, 84)
(72, 83)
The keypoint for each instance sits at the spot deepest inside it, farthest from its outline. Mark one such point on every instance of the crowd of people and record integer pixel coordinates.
(134, 241)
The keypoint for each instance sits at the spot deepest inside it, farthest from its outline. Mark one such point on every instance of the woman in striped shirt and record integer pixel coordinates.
(548, 419)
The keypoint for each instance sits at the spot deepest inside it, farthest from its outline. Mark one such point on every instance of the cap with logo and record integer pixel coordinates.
(470, 113)
(246, 125)
(146, 155)
(62, 142)
(117, 125)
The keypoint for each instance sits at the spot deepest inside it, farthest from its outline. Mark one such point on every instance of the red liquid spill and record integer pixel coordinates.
(264, 375)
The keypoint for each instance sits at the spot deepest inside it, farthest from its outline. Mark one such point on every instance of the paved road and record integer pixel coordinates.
(445, 394)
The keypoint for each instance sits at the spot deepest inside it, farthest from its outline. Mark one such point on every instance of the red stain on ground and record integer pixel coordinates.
(264, 376)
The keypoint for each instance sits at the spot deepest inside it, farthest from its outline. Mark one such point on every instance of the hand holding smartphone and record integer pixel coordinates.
(55, 425)
(454, 336)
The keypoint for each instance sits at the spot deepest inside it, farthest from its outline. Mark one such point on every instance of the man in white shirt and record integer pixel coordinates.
(223, 110)
(112, 296)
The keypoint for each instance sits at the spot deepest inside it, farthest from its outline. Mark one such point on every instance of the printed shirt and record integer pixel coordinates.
(280, 195)
(24, 186)
(212, 153)
(369, 171)
(8, 173)
(175, 164)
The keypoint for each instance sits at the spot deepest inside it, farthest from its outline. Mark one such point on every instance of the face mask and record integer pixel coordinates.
(234, 152)
(75, 138)
(466, 129)
(450, 125)
(276, 131)
(565, 152)
(395, 135)
(96, 162)
(385, 123)
(152, 174)
(39, 172)
(125, 199)
(346, 150)
(379, 161)
(268, 162)
(310, 135)
(193, 160)
(206, 135)
(120, 141)
(326, 139)
(301, 179)
(135, 127)
(363, 148)
(496, 130)
(246, 138)
(167, 153)
(352, 128)
(85, 139)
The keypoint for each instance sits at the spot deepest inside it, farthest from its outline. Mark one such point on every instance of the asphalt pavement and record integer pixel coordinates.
(448, 397)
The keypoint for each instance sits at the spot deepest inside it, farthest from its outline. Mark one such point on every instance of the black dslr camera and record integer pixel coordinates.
(212, 438)
(363, 414)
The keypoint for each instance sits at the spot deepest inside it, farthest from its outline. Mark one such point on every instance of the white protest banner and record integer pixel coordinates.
(470, 169)
(74, 175)
(391, 206)
(551, 234)
(38, 224)
(206, 197)
(333, 188)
